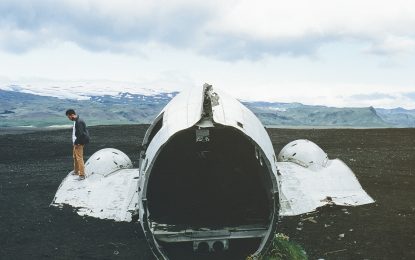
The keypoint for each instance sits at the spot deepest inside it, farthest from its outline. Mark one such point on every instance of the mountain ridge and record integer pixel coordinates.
(27, 109)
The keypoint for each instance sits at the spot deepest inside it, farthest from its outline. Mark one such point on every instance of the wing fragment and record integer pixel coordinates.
(308, 180)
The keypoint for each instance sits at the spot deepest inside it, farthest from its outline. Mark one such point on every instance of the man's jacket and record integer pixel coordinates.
(81, 133)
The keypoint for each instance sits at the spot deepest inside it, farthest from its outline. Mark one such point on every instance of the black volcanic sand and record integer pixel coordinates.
(32, 165)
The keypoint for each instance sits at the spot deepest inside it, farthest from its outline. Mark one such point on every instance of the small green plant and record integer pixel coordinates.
(282, 248)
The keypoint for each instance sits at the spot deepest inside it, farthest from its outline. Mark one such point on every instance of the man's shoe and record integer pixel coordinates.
(81, 177)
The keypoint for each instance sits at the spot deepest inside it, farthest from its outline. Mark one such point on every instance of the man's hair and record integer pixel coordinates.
(70, 112)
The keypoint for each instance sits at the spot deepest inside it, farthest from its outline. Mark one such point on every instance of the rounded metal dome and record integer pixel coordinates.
(304, 153)
(107, 161)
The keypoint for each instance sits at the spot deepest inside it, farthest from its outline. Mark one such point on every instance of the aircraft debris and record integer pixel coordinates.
(209, 181)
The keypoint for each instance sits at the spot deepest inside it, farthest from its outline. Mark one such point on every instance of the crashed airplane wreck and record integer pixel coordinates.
(209, 184)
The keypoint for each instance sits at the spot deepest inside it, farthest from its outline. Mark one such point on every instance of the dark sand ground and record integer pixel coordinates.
(32, 166)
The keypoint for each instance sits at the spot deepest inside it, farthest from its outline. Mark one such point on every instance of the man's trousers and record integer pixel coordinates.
(78, 159)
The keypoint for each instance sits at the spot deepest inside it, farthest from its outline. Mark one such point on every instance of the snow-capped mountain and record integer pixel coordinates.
(82, 90)
(45, 106)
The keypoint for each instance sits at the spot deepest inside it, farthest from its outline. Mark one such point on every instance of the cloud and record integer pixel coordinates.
(227, 30)
(393, 45)
(371, 96)
(241, 46)
(97, 26)
(410, 95)
(381, 100)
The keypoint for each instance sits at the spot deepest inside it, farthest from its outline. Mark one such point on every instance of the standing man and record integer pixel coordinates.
(80, 137)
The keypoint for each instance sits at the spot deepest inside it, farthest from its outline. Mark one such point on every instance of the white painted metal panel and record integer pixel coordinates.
(304, 153)
(309, 180)
(183, 111)
(107, 161)
(109, 190)
(112, 197)
(230, 112)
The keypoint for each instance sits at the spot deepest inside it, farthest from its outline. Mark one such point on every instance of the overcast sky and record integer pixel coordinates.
(327, 52)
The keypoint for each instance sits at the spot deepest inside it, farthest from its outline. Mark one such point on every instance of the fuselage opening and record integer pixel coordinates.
(209, 193)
